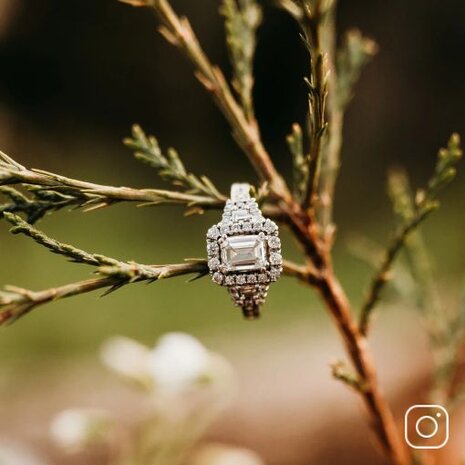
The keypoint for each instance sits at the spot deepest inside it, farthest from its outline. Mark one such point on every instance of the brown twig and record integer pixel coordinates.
(93, 195)
(178, 31)
(382, 275)
(412, 212)
(54, 192)
(311, 23)
(16, 302)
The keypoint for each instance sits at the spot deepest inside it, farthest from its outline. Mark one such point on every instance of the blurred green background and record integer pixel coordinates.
(75, 75)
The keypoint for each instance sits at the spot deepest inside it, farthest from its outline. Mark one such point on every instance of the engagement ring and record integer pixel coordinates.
(244, 251)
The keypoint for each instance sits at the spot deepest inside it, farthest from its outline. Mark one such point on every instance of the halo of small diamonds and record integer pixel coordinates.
(244, 220)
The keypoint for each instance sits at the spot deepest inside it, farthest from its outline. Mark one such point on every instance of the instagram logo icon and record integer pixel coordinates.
(426, 426)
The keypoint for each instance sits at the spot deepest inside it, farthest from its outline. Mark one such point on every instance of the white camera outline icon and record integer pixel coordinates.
(424, 417)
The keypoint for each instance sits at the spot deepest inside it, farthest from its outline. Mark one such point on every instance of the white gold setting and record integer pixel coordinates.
(244, 251)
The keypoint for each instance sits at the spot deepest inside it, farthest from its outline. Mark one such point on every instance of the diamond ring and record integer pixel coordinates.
(244, 251)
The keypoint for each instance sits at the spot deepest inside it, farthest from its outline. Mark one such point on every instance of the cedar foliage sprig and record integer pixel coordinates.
(424, 204)
(314, 14)
(39, 204)
(299, 160)
(354, 54)
(16, 302)
(50, 192)
(242, 18)
(170, 167)
(312, 17)
(445, 324)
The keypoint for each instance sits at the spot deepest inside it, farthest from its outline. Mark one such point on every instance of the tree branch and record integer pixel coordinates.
(169, 166)
(312, 20)
(242, 18)
(425, 203)
(444, 324)
(16, 302)
(52, 192)
(346, 65)
(178, 31)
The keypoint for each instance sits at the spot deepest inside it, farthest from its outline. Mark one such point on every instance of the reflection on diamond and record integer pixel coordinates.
(243, 253)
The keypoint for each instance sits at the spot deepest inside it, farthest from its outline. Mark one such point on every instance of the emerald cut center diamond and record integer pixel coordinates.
(243, 253)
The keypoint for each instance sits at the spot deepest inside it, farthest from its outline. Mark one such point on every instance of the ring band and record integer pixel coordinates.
(244, 251)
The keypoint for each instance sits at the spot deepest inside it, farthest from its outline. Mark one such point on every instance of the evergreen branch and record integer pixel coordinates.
(178, 31)
(17, 302)
(242, 18)
(299, 160)
(424, 204)
(169, 166)
(445, 325)
(304, 273)
(346, 65)
(312, 19)
(74, 254)
(43, 201)
(52, 192)
(106, 265)
(355, 53)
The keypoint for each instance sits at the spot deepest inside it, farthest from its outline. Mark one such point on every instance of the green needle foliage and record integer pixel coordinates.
(355, 53)
(299, 160)
(41, 202)
(16, 302)
(425, 202)
(242, 18)
(169, 166)
(49, 192)
(445, 324)
(112, 274)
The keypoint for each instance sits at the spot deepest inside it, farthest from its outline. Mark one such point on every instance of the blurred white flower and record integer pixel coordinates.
(128, 358)
(76, 429)
(219, 454)
(178, 362)
(16, 454)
